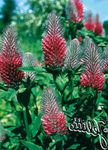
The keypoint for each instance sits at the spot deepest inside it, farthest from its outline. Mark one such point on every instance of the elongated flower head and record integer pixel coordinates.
(53, 119)
(75, 10)
(98, 26)
(53, 44)
(29, 61)
(71, 60)
(90, 25)
(10, 59)
(105, 58)
(92, 75)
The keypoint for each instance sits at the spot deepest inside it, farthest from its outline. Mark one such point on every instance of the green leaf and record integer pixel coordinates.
(27, 68)
(83, 148)
(2, 86)
(102, 44)
(8, 95)
(31, 146)
(39, 69)
(75, 92)
(96, 140)
(61, 82)
(21, 90)
(74, 146)
(36, 125)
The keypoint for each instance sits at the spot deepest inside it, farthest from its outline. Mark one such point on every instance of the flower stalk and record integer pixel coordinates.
(26, 124)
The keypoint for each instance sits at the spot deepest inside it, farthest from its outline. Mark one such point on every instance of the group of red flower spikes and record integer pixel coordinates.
(54, 49)
(75, 11)
(94, 26)
(55, 55)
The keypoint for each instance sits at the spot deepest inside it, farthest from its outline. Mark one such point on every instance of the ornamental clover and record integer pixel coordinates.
(89, 24)
(75, 10)
(92, 76)
(72, 54)
(94, 25)
(98, 26)
(10, 59)
(53, 44)
(105, 58)
(53, 119)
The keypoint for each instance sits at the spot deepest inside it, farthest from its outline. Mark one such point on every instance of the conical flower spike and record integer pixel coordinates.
(10, 59)
(53, 44)
(53, 119)
(92, 76)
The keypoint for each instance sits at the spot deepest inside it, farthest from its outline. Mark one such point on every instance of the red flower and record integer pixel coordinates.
(53, 44)
(10, 59)
(53, 119)
(75, 10)
(92, 75)
(79, 9)
(98, 26)
(90, 25)
(80, 39)
(95, 81)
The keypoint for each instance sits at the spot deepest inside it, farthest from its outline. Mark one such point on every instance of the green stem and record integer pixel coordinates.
(70, 75)
(95, 96)
(35, 103)
(26, 124)
(94, 103)
(54, 78)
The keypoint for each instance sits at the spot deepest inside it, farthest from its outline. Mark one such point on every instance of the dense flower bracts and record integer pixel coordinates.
(29, 61)
(94, 25)
(92, 76)
(105, 58)
(98, 26)
(95, 81)
(71, 60)
(90, 25)
(75, 10)
(10, 59)
(53, 119)
(53, 44)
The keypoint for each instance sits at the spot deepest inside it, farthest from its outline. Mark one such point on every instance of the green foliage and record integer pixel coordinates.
(75, 101)
(7, 11)
(105, 25)
(31, 146)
